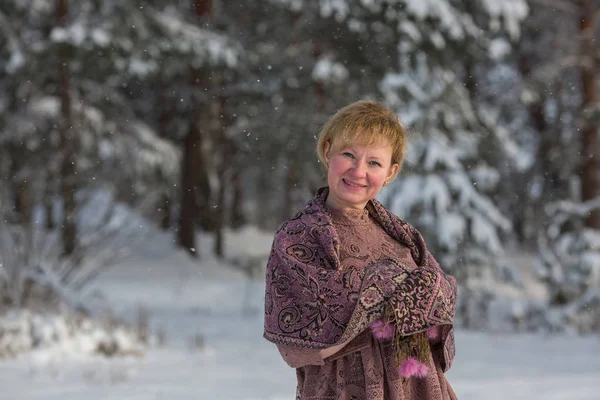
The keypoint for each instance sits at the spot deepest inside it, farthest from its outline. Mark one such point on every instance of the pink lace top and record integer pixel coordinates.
(364, 369)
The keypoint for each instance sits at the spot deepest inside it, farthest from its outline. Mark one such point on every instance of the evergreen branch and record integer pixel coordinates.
(10, 34)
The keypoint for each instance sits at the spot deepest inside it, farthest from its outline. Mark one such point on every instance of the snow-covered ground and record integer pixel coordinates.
(211, 318)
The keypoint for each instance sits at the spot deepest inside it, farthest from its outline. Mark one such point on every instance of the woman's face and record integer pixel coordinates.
(357, 173)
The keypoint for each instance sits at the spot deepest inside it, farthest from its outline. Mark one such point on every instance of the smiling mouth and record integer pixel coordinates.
(356, 185)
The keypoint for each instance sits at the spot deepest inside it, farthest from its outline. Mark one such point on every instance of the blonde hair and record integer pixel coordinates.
(367, 123)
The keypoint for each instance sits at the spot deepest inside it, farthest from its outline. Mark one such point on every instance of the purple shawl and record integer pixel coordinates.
(311, 302)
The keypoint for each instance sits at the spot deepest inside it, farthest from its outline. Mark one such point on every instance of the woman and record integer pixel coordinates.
(354, 301)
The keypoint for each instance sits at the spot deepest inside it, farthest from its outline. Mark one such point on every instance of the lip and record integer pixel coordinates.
(359, 187)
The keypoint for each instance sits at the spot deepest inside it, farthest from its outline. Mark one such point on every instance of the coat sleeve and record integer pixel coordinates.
(445, 349)
(297, 358)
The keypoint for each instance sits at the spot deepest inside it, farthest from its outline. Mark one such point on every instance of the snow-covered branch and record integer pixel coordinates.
(17, 57)
(570, 262)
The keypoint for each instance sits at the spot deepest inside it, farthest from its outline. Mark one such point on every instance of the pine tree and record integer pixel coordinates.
(75, 133)
(569, 260)
(415, 49)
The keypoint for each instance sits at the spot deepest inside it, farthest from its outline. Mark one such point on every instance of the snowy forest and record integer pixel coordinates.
(186, 130)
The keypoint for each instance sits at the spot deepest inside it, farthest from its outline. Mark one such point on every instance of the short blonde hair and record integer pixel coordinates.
(368, 123)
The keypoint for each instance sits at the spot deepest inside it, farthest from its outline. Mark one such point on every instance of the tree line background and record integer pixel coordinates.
(203, 115)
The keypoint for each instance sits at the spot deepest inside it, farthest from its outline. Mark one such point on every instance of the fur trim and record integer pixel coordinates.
(434, 334)
(412, 367)
(382, 331)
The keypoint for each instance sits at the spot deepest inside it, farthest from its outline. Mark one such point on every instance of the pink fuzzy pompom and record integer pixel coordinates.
(412, 367)
(434, 334)
(381, 330)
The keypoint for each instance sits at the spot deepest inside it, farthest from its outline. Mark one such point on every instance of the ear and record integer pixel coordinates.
(327, 150)
(393, 170)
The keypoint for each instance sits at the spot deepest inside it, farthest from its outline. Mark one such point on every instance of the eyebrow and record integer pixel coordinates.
(350, 147)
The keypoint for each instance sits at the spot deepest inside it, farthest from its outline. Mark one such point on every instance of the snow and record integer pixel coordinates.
(498, 49)
(327, 70)
(338, 8)
(75, 34)
(485, 177)
(485, 233)
(435, 193)
(153, 151)
(452, 230)
(100, 37)
(61, 336)
(59, 35)
(411, 30)
(439, 155)
(204, 298)
(440, 10)
(438, 40)
(17, 60)
(418, 8)
(78, 33)
(142, 68)
(204, 44)
(570, 263)
(512, 12)
(410, 186)
(392, 82)
(469, 197)
(356, 25)
(45, 107)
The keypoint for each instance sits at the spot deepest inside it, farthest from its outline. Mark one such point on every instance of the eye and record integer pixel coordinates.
(348, 154)
(375, 164)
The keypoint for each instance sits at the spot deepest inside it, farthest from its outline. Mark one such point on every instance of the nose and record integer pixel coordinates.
(359, 170)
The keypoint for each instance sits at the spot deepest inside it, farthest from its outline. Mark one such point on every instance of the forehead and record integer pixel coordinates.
(360, 138)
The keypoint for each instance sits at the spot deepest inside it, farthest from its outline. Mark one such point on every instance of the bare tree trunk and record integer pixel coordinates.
(167, 112)
(529, 212)
(555, 185)
(189, 208)
(68, 146)
(203, 10)
(203, 7)
(470, 79)
(48, 201)
(193, 187)
(237, 217)
(21, 199)
(23, 202)
(219, 214)
(209, 172)
(165, 212)
(226, 149)
(263, 199)
(204, 194)
(590, 162)
(320, 91)
(218, 209)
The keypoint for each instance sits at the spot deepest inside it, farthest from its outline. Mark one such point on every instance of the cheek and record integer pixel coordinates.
(378, 179)
(336, 169)
(331, 174)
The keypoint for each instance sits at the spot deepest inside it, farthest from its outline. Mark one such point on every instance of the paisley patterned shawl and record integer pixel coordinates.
(311, 302)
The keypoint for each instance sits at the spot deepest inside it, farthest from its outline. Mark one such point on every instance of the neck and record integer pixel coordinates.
(331, 203)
